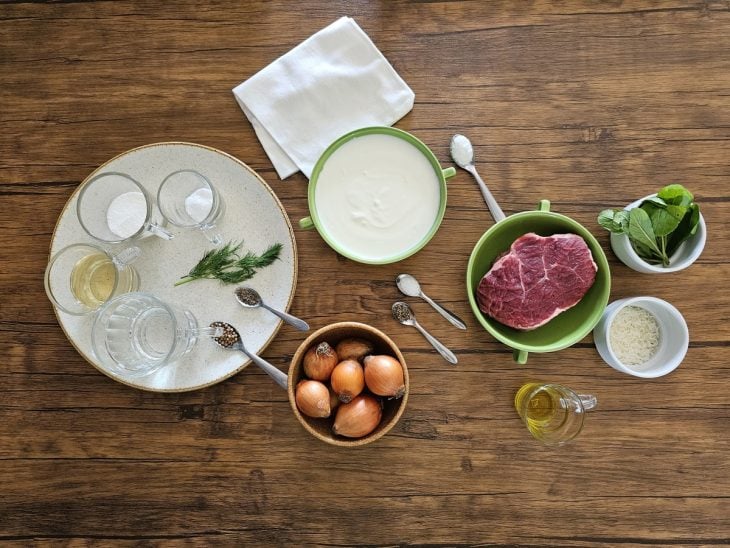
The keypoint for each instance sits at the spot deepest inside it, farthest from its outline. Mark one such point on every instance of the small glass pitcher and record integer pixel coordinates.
(113, 207)
(136, 334)
(82, 277)
(188, 199)
(553, 413)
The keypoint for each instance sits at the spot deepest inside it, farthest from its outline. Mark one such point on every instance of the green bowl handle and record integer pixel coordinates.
(307, 223)
(544, 205)
(448, 172)
(520, 356)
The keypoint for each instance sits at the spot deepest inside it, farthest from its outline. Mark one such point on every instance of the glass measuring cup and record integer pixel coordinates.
(113, 207)
(136, 334)
(188, 199)
(82, 277)
(553, 413)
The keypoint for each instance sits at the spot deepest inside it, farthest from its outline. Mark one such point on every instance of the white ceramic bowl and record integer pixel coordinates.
(673, 344)
(686, 254)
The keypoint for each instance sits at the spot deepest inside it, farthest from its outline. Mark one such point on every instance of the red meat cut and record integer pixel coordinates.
(536, 280)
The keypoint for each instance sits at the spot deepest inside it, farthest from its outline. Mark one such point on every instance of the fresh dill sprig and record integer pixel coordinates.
(228, 266)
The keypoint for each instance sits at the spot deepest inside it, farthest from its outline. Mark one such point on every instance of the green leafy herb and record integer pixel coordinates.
(228, 266)
(659, 225)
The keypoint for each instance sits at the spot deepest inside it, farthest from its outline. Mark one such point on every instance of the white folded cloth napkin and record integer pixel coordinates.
(333, 82)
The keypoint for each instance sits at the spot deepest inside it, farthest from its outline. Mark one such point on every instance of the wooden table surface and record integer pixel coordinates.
(588, 104)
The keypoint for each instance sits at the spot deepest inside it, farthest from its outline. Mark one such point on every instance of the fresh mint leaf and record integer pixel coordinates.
(656, 200)
(607, 219)
(645, 253)
(642, 231)
(686, 228)
(676, 195)
(664, 220)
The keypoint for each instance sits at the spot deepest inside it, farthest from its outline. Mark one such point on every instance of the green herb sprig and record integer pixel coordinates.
(228, 266)
(659, 225)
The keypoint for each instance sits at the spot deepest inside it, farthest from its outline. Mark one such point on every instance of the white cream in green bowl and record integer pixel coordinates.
(377, 195)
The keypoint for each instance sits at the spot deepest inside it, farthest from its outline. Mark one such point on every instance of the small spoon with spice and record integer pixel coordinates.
(463, 154)
(403, 313)
(231, 340)
(250, 298)
(409, 286)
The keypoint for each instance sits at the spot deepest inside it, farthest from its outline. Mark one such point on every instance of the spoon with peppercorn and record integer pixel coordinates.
(409, 286)
(403, 313)
(250, 298)
(231, 340)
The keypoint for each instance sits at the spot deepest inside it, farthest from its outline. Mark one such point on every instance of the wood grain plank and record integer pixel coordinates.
(589, 105)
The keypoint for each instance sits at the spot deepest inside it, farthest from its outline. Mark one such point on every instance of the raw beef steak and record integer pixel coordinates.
(536, 280)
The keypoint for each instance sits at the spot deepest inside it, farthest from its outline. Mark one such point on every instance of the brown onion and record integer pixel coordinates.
(334, 399)
(313, 399)
(347, 380)
(384, 376)
(358, 418)
(319, 361)
(354, 349)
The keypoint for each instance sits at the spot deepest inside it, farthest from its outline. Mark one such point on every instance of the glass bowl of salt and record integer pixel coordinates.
(113, 208)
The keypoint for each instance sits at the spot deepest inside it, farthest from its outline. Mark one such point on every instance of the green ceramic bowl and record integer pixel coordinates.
(564, 329)
(313, 221)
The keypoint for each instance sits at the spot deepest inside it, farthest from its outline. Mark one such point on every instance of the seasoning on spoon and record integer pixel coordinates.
(401, 312)
(229, 336)
(248, 296)
(409, 285)
(461, 150)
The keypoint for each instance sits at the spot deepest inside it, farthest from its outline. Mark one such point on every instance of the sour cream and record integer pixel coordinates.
(377, 197)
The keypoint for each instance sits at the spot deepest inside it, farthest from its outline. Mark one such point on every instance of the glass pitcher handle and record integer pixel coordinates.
(126, 257)
(588, 401)
(160, 232)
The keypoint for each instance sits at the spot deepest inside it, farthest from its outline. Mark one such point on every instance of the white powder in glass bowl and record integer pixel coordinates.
(126, 214)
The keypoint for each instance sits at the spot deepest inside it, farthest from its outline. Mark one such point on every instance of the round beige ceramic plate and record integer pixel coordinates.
(253, 214)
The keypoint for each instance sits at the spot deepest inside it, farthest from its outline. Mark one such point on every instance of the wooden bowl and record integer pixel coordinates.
(334, 333)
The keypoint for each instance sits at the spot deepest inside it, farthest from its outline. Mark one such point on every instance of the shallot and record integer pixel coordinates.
(313, 399)
(319, 361)
(358, 418)
(384, 376)
(354, 349)
(347, 380)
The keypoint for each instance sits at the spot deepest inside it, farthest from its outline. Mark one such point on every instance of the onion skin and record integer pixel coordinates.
(384, 376)
(358, 418)
(319, 361)
(347, 380)
(334, 399)
(313, 399)
(354, 349)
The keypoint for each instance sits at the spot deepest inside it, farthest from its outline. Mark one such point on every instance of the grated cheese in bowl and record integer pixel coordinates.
(634, 335)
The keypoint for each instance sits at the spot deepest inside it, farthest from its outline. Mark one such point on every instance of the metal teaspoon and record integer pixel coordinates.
(409, 285)
(463, 154)
(250, 298)
(403, 313)
(231, 340)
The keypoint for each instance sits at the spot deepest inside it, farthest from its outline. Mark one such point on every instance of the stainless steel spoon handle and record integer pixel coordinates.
(494, 209)
(450, 316)
(447, 354)
(301, 325)
(274, 372)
